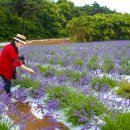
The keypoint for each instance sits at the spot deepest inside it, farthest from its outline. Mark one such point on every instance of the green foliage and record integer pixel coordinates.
(52, 60)
(47, 19)
(73, 54)
(85, 107)
(60, 62)
(75, 104)
(79, 61)
(125, 65)
(3, 126)
(44, 68)
(74, 75)
(93, 62)
(27, 82)
(80, 31)
(99, 83)
(48, 71)
(1, 46)
(119, 122)
(108, 64)
(6, 125)
(99, 27)
(124, 89)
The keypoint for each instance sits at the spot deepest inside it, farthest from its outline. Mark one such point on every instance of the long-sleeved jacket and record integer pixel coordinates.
(9, 61)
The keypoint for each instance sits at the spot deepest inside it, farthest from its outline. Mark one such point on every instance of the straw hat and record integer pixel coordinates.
(20, 38)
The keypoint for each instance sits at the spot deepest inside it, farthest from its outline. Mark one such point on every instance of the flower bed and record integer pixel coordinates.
(81, 85)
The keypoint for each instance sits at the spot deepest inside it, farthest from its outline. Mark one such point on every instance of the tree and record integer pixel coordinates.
(25, 9)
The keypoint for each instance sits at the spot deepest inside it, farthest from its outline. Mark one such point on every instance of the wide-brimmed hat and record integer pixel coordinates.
(20, 38)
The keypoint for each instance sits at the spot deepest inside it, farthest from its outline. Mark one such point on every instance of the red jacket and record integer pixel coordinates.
(8, 61)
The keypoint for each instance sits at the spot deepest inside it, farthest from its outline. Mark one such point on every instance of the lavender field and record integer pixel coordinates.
(84, 86)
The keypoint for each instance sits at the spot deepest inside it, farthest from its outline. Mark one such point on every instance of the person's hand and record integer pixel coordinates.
(27, 69)
(31, 71)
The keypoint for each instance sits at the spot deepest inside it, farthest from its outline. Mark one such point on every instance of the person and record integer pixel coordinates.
(9, 60)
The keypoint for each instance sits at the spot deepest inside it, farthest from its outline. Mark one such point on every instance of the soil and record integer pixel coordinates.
(20, 113)
(60, 41)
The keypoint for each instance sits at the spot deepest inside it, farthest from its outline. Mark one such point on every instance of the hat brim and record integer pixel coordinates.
(19, 40)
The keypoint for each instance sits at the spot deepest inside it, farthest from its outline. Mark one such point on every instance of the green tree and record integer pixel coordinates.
(25, 9)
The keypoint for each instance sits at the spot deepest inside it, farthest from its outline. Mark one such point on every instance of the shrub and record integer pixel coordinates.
(99, 83)
(79, 61)
(48, 71)
(108, 65)
(27, 82)
(78, 108)
(125, 66)
(93, 63)
(6, 125)
(83, 109)
(3, 126)
(43, 69)
(124, 89)
(60, 61)
(73, 54)
(119, 122)
(74, 75)
(1, 46)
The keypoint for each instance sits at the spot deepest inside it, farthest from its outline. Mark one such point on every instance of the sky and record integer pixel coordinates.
(122, 6)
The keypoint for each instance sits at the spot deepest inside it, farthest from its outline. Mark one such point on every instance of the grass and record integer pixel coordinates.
(124, 89)
(49, 71)
(118, 122)
(1, 46)
(74, 75)
(3, 126)
(26, 82)
(77, 107)
(93, 62)
(79, 61)
(99, 83)
(125, 65)
(108, 64)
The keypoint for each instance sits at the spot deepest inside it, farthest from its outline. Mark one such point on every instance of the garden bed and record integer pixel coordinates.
(83, 86)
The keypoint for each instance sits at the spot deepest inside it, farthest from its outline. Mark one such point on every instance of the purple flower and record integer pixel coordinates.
(83, 119)
(53, 104)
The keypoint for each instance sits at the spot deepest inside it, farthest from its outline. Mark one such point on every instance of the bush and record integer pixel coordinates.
(79, 61)
(119, 122)
(125, 65)
(74, 75)
(99, 83)
(124, 89)
(3, 126)
(27, 82)
(78, 108)
(48, 71)
(93, 63)
(108, 65)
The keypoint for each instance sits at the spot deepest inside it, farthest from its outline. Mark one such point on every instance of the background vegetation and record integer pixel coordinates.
(48, 19)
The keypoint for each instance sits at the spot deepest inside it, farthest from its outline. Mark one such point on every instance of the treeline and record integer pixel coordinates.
(39, 19)
(100, 27)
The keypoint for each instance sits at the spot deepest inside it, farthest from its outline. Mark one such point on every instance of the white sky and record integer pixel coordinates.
(122, 6)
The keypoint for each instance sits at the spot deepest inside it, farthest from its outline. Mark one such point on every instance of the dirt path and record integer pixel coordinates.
(21, 113)
(49, 41)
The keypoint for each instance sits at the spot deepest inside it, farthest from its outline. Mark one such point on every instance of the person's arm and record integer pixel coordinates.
(27, 68)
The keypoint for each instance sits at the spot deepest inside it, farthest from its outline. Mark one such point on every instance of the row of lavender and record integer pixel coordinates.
(85, 80)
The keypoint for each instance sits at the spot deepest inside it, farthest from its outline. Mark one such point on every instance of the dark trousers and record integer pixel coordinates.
(7, 85)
